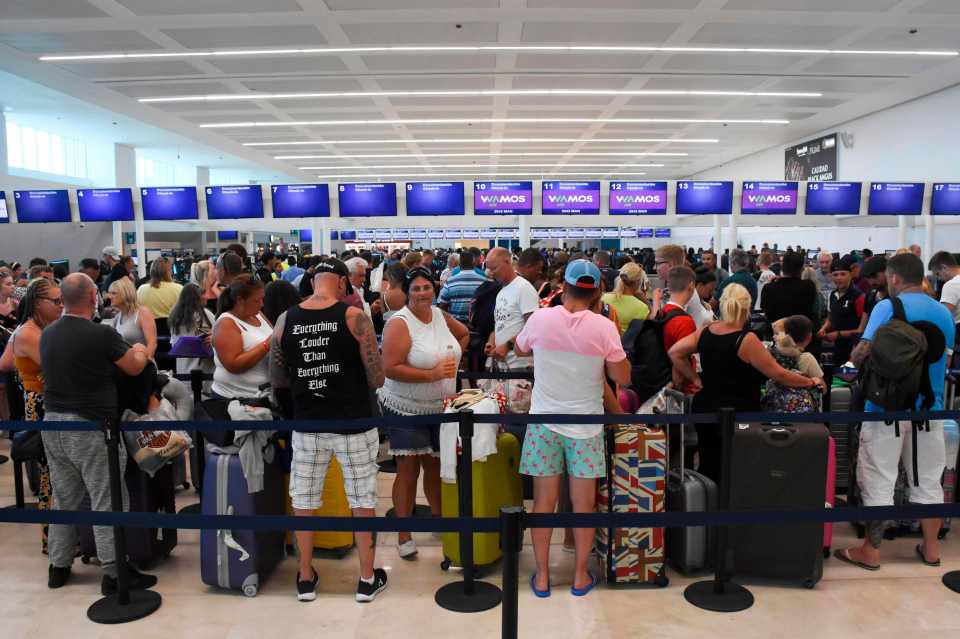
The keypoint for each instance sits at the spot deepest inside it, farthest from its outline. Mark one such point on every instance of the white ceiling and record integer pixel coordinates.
(851, 85)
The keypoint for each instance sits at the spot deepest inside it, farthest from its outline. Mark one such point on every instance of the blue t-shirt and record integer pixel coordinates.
(918, 307)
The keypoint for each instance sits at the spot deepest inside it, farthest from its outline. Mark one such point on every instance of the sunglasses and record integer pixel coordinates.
(56, 300)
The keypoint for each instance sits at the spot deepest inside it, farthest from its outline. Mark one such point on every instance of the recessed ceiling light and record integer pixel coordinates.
(473, 93)
(548, 174)
(519, 154)
(392, 122)
(491, 141)
(535, 49)
(477, 166)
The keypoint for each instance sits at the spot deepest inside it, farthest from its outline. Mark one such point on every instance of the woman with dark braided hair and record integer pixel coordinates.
(41, 306)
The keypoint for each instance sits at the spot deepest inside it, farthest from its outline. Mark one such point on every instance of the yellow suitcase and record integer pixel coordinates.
(496, 483)
(334, 505)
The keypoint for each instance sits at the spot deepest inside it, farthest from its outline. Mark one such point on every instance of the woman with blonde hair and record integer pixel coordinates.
(629, 296)
(735, 364)
(161, 293)
(133, 321)
(819, 303)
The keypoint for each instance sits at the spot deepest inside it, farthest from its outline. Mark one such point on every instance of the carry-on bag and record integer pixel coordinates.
(334, 504)
(496, 484)
(239, 559)
(635, 483)
(779, 467)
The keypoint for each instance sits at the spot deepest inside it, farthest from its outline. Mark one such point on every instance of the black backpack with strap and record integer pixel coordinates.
(650, 366)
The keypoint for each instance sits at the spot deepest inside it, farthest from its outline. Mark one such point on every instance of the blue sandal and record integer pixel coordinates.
(580, 592)
(543, 594)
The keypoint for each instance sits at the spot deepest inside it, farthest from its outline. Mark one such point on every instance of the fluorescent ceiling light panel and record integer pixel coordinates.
(519, 154)
(548, 174)
(542, 49)
(391, 122)
(475, 166)
(466, 93)
(491, 141)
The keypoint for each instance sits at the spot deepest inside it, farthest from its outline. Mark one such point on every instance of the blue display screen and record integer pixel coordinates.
(833, 198)
(766, 198)
(234, 202)
(169, 203)
(377, 199)
(571, 198)
(300, 200)
(228, 236)
(42, 206)
(638, 198)
(348, 236)
(895, 198)
(945, 200)
(435, 198)
(703, 198)
(661, 233)
(503, 198)
(105, 205)
(4, 216)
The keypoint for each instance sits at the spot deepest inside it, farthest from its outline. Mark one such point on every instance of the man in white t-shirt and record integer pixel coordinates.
(516, 301)
(667, 257)
(944, 267)
(575, 350)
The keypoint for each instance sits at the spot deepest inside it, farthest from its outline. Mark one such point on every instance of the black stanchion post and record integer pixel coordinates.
(511, 543)
(468, 595)
(952, 580)
(720, 594)
(126, 605)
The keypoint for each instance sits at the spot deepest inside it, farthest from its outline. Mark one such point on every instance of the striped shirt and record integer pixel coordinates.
(458, 292)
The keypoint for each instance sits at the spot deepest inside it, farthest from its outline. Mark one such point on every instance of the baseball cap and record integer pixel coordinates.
(582, 274)
(844, 263)
(112, 252)
(874, 266)
(335, 266)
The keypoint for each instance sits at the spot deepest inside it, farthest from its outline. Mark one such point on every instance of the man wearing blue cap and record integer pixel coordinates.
(569, 343)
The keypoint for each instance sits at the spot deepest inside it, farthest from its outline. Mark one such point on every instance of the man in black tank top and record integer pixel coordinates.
(326, 354)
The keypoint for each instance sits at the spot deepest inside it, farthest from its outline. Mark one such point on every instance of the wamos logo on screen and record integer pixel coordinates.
(638, 199)
(760, 200)
(503, 199)
(570, 199)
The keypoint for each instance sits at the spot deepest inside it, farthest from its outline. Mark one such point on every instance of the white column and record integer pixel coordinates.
(928, 229)
(524, 225)
(4, 168)
(125, 175)
(141, 247)
(203, 179)
(902, 231)
(317, 228)
(734, 219)
(717, 241)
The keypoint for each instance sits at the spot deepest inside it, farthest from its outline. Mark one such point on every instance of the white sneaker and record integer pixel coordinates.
(407, 550)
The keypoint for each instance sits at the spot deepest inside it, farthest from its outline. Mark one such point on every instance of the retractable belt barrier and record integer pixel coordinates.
(721, 593)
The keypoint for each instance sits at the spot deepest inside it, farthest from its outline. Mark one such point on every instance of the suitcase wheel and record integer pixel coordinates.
(250, 590)
(661, 581)
(809, 584)
(826, 553)
(445, 565)
(85, 559)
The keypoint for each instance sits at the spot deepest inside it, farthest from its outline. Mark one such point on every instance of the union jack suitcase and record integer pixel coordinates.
(635, 483)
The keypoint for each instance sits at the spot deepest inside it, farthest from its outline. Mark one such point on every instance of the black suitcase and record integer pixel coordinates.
(145, 546)
(779, 467)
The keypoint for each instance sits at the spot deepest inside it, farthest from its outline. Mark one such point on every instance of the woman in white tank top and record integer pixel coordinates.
(421, 353)
(241, 341)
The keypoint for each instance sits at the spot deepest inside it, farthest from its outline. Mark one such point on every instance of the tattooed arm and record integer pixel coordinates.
(279, 376)
(859, 355)
(362, 329)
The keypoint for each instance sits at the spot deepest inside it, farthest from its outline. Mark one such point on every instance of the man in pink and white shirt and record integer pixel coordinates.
(574, 350)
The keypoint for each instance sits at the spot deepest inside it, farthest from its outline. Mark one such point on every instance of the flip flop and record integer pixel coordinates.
(932, 564)
(543, 594)
(843, 555)
(580, 592)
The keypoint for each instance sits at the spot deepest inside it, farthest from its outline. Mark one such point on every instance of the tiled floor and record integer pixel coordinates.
(903, 599)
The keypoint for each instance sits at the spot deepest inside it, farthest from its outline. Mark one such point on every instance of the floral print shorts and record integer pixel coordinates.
(547, 453)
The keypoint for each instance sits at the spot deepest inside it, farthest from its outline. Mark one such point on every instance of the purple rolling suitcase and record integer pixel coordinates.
(239, 559)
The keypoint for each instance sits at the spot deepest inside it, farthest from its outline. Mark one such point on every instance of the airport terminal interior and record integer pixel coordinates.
(364, 213)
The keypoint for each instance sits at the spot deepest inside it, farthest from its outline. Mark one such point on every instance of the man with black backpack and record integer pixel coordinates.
(903, 357)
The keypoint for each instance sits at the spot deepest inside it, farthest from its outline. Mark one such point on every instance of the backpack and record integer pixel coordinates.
(480, 321)
(650, 366)
(897, 372)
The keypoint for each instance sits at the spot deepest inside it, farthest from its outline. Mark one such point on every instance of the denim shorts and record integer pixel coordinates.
(412, 439)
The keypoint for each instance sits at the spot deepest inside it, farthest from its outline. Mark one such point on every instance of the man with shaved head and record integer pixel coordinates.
(516, 302)
(81, 362)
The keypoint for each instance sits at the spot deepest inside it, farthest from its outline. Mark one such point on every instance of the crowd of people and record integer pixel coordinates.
(364, 334)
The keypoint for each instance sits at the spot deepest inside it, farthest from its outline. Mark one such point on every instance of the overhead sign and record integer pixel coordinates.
(638, 198)
(766, 198)
(814, 160)
(571, 198)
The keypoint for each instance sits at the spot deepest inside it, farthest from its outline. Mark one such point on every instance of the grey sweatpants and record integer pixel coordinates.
(78, 467)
